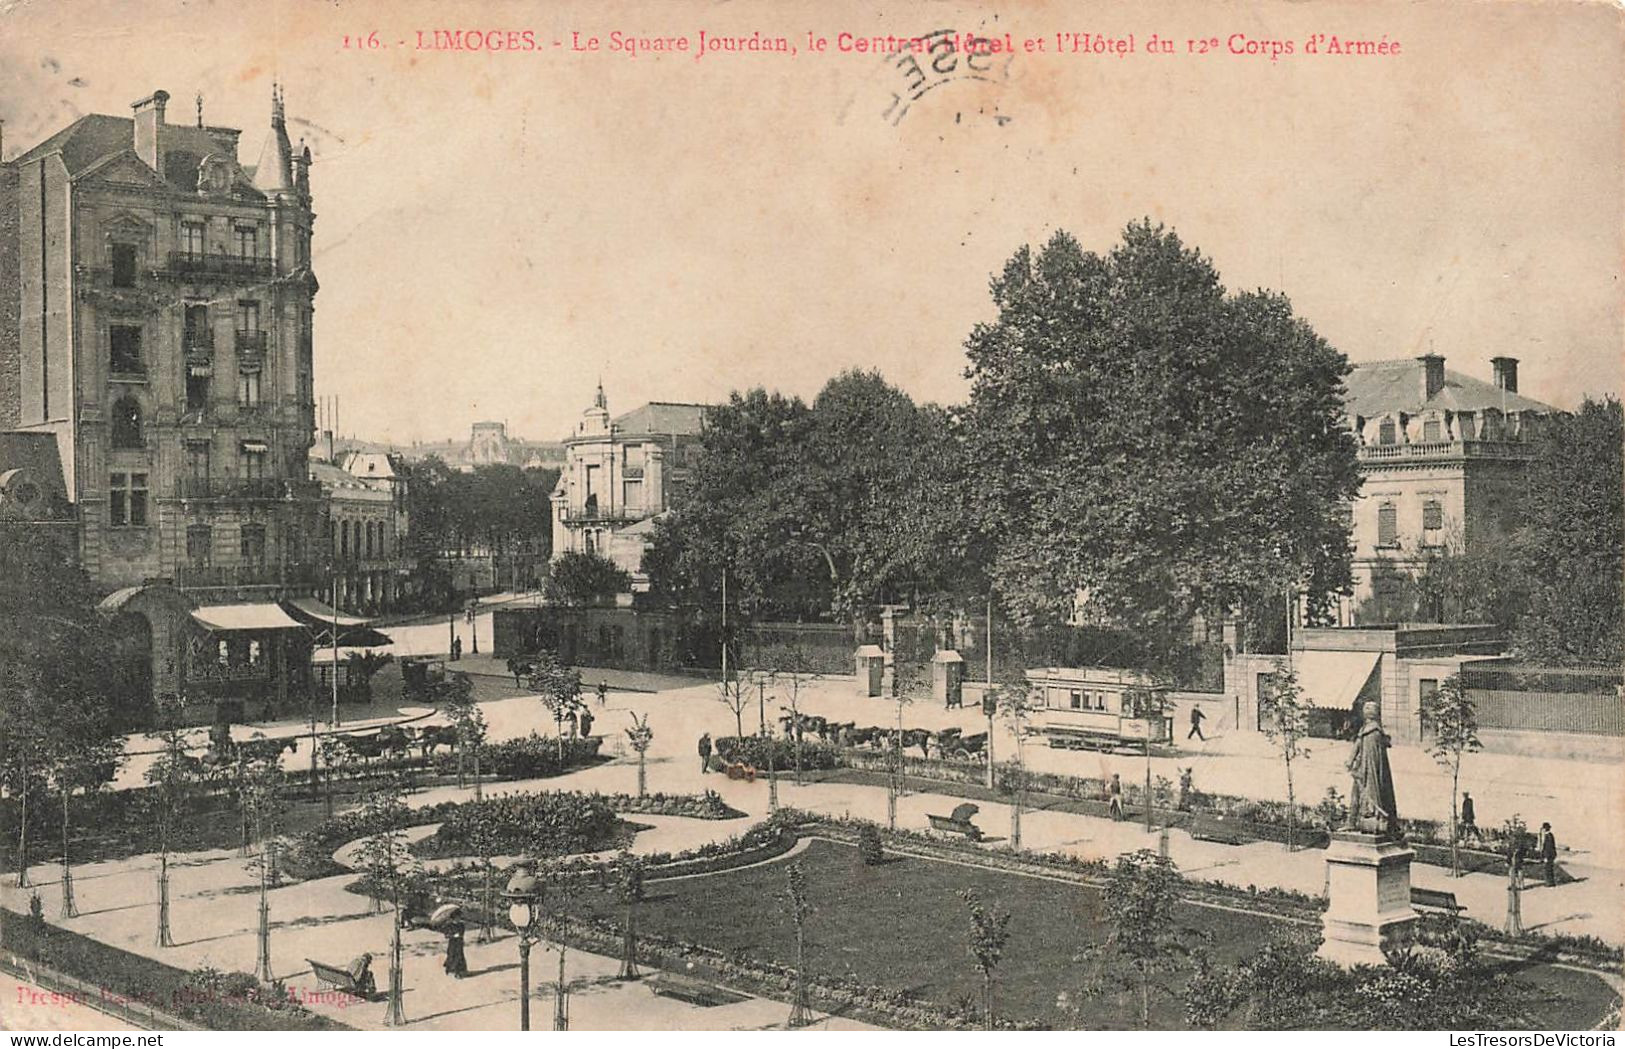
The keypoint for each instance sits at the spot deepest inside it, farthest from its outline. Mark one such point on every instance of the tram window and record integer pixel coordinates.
(1077, 700)
(1100, 701)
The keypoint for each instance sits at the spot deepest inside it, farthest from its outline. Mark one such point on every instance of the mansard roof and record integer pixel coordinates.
(663, 418)
(93, 138)
(1378, 387)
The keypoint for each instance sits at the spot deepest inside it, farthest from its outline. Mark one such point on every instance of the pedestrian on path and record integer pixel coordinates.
(456, 963)
(1468, 824)
(585, 722)
(705, 752)
(1547, 848)
(1114, 801)
(1196, 724)
(603, 692)
(456, 649)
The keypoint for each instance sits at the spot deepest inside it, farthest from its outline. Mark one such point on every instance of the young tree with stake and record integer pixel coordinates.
(639, 736)
(795, 899)
(560, 689)
(173, 782)
(989, 932)
(1286, 723)
(1450, 717)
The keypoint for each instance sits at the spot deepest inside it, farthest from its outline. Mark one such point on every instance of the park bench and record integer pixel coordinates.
(739, 770)
(338, 978)
(958, 822)
(1216, 832)
(1435, 900)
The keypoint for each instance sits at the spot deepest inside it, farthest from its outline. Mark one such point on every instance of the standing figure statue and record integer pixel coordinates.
(1371, 795)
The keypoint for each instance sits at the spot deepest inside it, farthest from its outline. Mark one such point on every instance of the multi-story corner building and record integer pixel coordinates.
(364, 519)
(1443, 457)
(619, 475)
(161, 295)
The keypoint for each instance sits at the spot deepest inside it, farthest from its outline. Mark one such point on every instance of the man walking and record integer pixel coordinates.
(1114, 801)
(1196, 724)
(1468, 824)
(603, 692)
(1547, 848)
(705, 752)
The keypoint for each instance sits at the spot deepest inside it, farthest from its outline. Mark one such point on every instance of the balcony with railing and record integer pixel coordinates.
(251, 343)
(306, 573)
(592, 511)
(247, 489)
(220, 265)
(198, 346)
(1446, 450)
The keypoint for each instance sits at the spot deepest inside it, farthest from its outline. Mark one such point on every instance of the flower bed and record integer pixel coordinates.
(707, 806)
(208, 998)
(532, 824)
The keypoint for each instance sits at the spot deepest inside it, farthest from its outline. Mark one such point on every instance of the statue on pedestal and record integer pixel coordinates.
(1371, 796)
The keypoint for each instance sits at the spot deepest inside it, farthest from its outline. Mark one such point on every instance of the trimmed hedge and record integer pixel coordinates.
(756, 751)
(531, 757)
(218, 1001)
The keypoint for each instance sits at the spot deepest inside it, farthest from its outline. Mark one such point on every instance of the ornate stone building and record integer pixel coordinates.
(161, 293)
(1443, 457)
(619, 475)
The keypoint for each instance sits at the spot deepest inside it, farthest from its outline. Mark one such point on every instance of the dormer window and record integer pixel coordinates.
(1432, 430)
(1387, 432)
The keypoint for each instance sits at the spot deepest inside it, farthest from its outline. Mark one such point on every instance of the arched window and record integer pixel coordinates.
(344, 539)
(127, 423)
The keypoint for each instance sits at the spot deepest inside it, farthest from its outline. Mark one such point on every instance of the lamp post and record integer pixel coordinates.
(474, 625)
(524, 896)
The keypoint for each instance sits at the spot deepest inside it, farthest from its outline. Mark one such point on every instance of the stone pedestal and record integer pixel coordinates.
(1369, 883)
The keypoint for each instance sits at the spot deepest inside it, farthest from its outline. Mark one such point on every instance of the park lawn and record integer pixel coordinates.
(903, 925)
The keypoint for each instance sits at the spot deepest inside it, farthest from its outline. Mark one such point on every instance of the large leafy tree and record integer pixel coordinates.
(1153, 443)
(734, 518)
(1572, 540)
(821, 510)
(62, 700)
(577, 579)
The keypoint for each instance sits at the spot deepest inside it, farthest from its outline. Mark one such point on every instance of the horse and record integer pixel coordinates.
(918, 737)
(430, 737)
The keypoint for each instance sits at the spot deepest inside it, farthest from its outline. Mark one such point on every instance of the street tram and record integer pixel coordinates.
(1079, 708)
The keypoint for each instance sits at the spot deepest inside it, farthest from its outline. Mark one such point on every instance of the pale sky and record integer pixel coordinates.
(498, 230)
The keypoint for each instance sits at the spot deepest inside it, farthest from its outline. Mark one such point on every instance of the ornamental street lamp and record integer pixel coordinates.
(524, 896)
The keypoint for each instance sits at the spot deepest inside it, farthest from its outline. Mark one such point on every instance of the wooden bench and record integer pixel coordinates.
(339, 979)
(1217, 832)
(739, 770)
(950, 825)
(1435, 900)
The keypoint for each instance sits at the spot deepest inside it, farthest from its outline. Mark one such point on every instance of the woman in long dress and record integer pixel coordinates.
(456, 964)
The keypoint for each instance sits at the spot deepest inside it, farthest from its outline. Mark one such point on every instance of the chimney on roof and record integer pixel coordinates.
(1432, 375)
(1506, 373)
(149, 119)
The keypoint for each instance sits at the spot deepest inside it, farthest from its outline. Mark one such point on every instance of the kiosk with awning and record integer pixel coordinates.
(241, 652)
(1334, 684)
